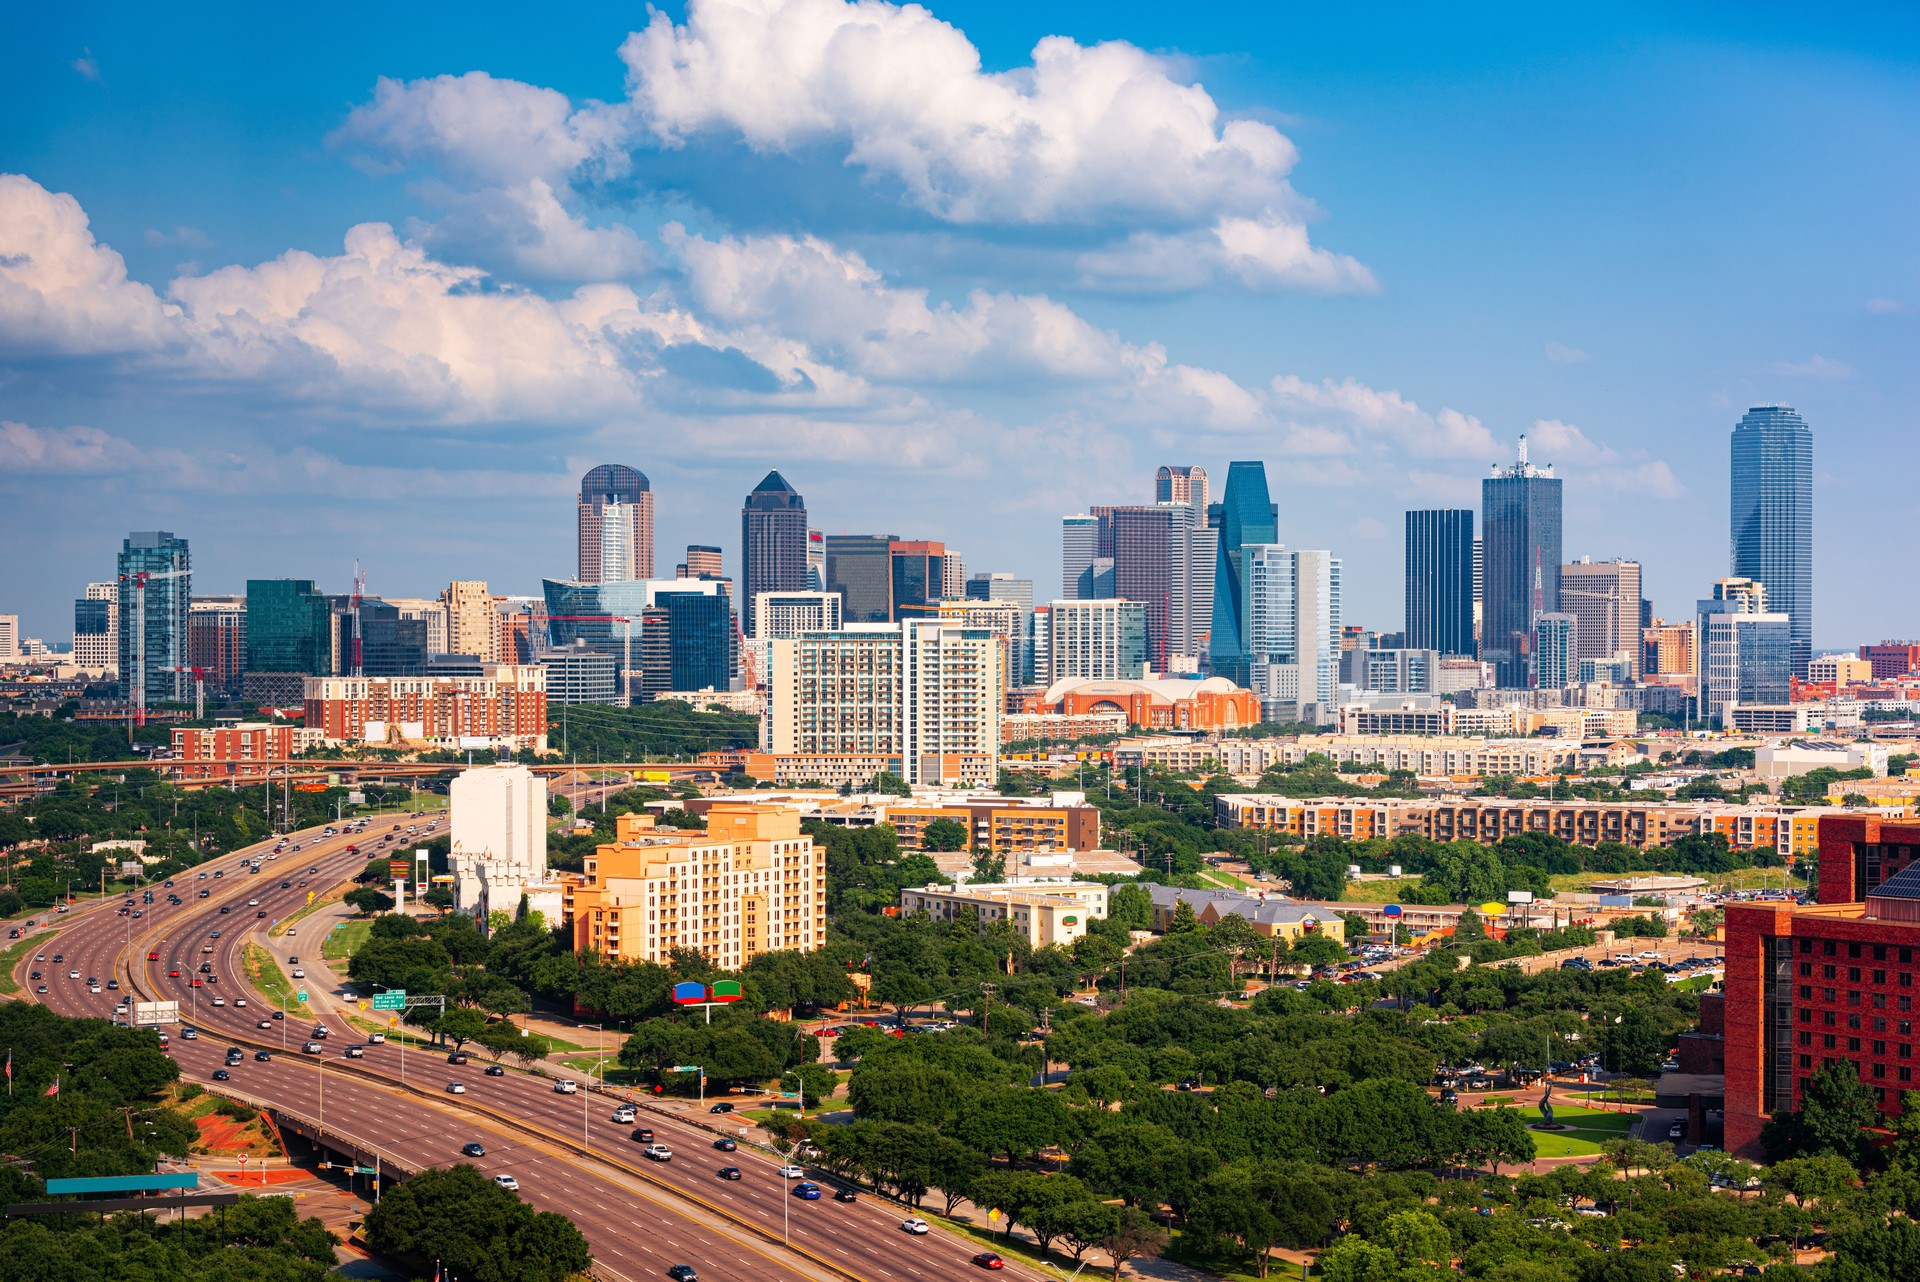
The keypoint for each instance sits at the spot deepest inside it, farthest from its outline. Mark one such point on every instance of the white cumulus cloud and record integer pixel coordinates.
(61, 291)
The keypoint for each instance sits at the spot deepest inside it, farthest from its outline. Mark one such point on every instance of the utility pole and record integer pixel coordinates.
(986, 1014)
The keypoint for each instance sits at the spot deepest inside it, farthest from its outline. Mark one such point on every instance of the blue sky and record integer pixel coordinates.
(306, 296)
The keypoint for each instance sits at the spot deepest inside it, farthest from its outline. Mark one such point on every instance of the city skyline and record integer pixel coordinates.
(964, 360)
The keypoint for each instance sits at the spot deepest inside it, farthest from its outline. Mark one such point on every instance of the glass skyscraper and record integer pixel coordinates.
(1440, 580)
(1520, 574)
(287, 627)
(155, 640)
(1772, 516)
(1246, 518)
(773, 543)
(860, 569)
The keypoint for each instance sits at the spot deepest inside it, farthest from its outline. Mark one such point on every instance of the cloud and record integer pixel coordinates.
(528, 228)
(1587, 462)
(86, 65)
(1386, 417)
(1258, 253)
(1885, 307)
(73, 451)
(192, 237)
(61, 292)
(1815, 366)
(476, 126)
(1561, 354)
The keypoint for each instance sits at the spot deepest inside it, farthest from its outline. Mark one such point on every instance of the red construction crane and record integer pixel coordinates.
(199, 690)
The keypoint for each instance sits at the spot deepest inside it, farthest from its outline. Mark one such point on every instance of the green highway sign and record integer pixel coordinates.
(301, 997)
(392, 999)
(686, 1068)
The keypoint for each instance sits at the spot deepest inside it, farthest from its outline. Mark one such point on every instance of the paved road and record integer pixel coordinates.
(637, 1224)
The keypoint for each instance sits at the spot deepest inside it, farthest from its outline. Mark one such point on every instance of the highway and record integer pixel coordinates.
(685, 1213)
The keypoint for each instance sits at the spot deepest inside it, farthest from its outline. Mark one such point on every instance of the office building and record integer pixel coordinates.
(953, 583)
(1097, 640)
(1044, 913)
(432, 615)
(1556, 645)
(1604, 599)
(578, 673)
(1772, 516)
(1186, 485)
(1162, 558)
(1293, 632)
(1079, 545)
(789, 614)
(1827, 983)
(703, 562)
(1439, 586)
(96, 628)
(1520, 537)
(917, 577)
(1000, 586)
(921, 692)
(776, 547)
(698, 629)
(615, 525)
(389, 643)
(217, 641)
(1892, 658)
(1246, 519)
(497, 825)
(752, 883)
(1479, 590)
(1391, 671)
(1745, 649)
(860, 568)
(1839, 670)
(667, 634)
(472, 624)
(816, 561)
(10, 649)
(504, 707)
(156, 595)
(287, 627)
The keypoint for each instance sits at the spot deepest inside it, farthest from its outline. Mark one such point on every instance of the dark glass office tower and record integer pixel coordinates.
(918, 578)
(699, 640)
(1246, 518)
(287, 627)
(1772, 516)
(1440, 580)
(1520, 556)
(155, 641)
(773, 542)
(390, 646)
(860, 568)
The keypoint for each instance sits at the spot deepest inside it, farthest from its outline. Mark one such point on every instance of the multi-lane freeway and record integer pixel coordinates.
(566, 1151)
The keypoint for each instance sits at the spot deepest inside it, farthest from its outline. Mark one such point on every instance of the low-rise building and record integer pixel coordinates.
(1049, 727)
(744, 702)
(245, 750)
(1003, 825)
(1275, 916)
(1043, 913)
(1156, 703)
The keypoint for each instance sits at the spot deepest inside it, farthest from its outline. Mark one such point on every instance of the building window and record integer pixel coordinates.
(1853, 998)
(1880, 1070)
(1827, 1017)
(1827, 995)
(1879, 1048)
(1826, 972)
(1806, 1061)
(1853, 1043)
(1879, 1001)
(1806, 1039)
(1853, 974)
(1853, 950)
(1826, 1040)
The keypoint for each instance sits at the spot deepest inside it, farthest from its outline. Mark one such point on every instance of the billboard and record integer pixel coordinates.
(130, 867)
(156, 1013)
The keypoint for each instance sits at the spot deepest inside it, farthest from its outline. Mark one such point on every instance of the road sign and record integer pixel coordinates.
(156, 1013)
(393, 1021)
(686, 1068)
(301, 997)
(391, 999)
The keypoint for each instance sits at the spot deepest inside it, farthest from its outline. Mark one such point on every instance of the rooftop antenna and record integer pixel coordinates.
(1523, 449)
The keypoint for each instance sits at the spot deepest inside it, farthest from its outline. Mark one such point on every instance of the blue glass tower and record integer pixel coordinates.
(1440, 580)
(1246, 518)
(155, 574)
(1520, 575)
(1772, 516)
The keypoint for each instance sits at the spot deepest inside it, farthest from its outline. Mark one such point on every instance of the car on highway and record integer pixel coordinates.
(240, 1002)
(725, 1145)
(265, 1023)
(988, 1260)
(298, 973)
(59, 958)
(721, 1107)
(683, 1273)
(311, 1048)
(507, 1182)
(34, 975)
(73, 974)
(657, 1153)
(914, 1224)
(456, 1088)
(174, 973)
(93, 988)
(791, 1172)
(807, 1191)
(457, 1057)
(473, 1148)
(219, 1001)
(189, 1034)
(113, 984)
(320, 1031)
(375, 1039)
(262, 913)
(566, 1086)
(253, 903)
(729, 1172)
(153, 956)
(41, 989)
(845, 1195)
(623, 1116)
(495, 1070)
(355, 1052)
(292, 933)
(265, 1057)
(222, 1075)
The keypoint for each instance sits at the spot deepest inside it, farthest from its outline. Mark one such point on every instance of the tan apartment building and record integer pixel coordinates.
(1004, 825)
(751, 883)
(472, 620)
(1042, 913)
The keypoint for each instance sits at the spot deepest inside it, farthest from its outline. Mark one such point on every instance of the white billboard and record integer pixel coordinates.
(1519, 896)
(156, 1013)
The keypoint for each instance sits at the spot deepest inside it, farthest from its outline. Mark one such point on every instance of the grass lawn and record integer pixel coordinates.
(345, 938)
(11, 958)
(1738, 879)
(294, 918)
(1587, 1129)
(1223, 879)
(271, 982)
(1377, 892)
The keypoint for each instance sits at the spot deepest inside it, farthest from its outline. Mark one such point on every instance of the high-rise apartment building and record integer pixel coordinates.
(1440, 580)
(1005, 619)
(789, 614)
(921, 693)
(1745, 648)
(1520, 534)
(1772, 516)
(10, 648)
(1670, 650)
(217, 641)
(472, 626)
(1079, 545)
(860, 568)
(1099, 640)
(1246, 520)
(156, 595)
(1293, 630)
(775, 544)
(616, 525)
(1604, 597)
(505, 705)
(1001, 586)
(953, 581)
(1556, 650)
(96, 628)
(1182, 485)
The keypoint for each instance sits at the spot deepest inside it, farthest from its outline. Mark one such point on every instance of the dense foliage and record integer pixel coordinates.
(461, 1219)
(667, 730)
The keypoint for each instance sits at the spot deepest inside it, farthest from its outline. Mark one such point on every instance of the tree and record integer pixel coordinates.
(478, 1230)
(1636, 1044)
(440, 897)
(1133, 1236)
(1836, 1107)
(944, 834)
(461, 1025)
(988, 868)
(1017, 1121)
(1084, 1224)
(367, 900)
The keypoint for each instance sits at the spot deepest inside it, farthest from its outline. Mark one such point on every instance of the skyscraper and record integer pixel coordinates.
(1772, 516)
(1079, 545)
(287, 622)
(1556, 644)
(1293, 629)
(1182, 485)
(1246, 517)
(773, 542)
(616, 525)
(1520, 535)
(1604, 596)
(156, 594)
(217, 641)
(1440, 581)
(917, 570)
(860, 568)
(1746, 649)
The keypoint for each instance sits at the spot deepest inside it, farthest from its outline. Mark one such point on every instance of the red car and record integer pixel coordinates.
(153, 956)
(195, 984)
(988, 1260)
(172, 974)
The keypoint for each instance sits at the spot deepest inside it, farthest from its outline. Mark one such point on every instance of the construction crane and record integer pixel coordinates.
(140, 579)
(626, 688)
(199, 690)
(359, 586)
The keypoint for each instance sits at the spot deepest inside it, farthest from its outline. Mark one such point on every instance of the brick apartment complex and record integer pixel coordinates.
(506, 707)
(751, 883)
(1831, 982)
(234, 752)
(1004, 826)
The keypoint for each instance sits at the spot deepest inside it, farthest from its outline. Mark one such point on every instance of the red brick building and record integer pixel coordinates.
(507, 707)
(1892, 658)
(232, 752)
(1826, 983)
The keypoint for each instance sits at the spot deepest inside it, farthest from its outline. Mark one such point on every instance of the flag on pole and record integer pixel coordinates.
(9, 1070)
(53, 1089)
